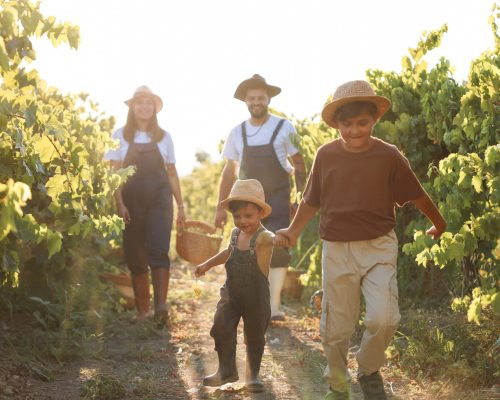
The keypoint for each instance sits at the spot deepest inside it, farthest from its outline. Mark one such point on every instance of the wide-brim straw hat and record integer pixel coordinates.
(146, 91)
(250, 190)
(255, 82)
(350, 92)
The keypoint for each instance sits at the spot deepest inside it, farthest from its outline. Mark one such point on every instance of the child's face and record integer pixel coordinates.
(248, 218)
(356, 132)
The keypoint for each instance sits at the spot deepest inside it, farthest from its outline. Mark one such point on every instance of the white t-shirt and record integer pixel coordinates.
(166, 146)
(283, 146)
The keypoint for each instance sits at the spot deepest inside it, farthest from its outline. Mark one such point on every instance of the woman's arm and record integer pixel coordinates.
(120, 205)
(173, 178)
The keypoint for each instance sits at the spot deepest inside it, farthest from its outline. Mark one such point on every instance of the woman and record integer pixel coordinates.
(145, 200)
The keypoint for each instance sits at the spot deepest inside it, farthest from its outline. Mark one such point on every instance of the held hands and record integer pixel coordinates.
(284, 238)
(201, 270)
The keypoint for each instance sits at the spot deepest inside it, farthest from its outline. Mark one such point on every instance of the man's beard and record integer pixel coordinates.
(259, 112)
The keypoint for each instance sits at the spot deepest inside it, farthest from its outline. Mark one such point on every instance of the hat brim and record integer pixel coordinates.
(266, 208)
(382, 103)
(157, 99)
(241, 90)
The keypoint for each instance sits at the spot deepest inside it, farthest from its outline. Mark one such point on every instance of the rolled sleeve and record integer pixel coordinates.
(230, 151)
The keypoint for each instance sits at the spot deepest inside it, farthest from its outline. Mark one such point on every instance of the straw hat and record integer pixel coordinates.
(255, 82)
(146, 91)
(350, 92)
(249, 190)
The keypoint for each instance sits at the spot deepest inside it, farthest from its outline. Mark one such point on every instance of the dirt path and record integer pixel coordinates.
(138, 361)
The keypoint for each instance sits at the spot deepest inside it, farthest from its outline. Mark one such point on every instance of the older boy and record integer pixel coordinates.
(355, 182)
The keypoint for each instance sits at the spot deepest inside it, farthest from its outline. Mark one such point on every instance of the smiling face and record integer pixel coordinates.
(247, 218)
(143, 108)
(257, 101)
(356, 132)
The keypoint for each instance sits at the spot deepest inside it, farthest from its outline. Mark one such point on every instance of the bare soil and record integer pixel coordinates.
(150, 363)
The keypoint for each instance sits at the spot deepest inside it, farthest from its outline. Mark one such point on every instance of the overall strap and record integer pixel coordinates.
(254, 239)
(276, 130)
(234, 237)
(244, 134)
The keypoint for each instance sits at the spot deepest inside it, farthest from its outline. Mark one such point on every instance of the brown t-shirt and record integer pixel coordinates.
(356, 192)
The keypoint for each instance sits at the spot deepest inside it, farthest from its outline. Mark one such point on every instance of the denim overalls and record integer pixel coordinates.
(245, 294)
(148, 197)
(262, 163)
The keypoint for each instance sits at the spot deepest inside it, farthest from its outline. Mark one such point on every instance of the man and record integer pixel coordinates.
(260, 148)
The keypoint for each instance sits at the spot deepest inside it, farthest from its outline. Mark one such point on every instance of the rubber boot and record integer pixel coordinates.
(254, 358)
(276, 279)
(227, 371)
(140, 284)
(161, 278)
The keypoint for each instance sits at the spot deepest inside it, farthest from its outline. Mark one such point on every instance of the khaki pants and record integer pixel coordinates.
(349, 269)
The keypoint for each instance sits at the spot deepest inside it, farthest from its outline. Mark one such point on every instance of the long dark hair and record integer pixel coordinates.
(153, 129)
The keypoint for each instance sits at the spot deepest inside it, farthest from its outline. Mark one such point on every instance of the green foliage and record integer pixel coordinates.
(430, 345)
(102, 387)
(200, 189)
(57, 190)
(450, 132)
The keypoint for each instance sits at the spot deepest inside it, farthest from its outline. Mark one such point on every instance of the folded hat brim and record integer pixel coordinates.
(158, 101)
(382, 103)
(262, 204)
(241, 90)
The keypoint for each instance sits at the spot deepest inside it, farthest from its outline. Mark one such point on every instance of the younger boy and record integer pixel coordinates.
(355, 182)
(246, 290)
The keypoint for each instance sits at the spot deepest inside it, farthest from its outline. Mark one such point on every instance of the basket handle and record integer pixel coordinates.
(204, 226)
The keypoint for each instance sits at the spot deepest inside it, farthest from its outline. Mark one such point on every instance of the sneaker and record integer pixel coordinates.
(372, 386)
(337, 395)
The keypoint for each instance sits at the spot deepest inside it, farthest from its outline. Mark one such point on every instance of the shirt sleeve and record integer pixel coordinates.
(167, 149)
(312, 192)
(406, 185)
(290, 137)
(115, 154)
(230, 151)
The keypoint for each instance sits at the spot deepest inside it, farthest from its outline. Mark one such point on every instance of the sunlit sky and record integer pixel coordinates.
(193, 53)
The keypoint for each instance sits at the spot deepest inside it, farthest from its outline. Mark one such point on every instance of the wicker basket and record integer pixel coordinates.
(197, 246)
(123, 283)
(292, 286)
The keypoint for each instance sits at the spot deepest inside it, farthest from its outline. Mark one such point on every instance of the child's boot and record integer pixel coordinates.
(254, 358)
(227, 371)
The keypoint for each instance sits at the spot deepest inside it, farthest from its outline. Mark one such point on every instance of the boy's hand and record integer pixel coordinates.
(281, 241)
(200, 270)
(291, 239)
(434, 232)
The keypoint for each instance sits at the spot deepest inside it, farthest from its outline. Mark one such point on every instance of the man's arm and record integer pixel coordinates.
(430, 210)
(229, 175)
